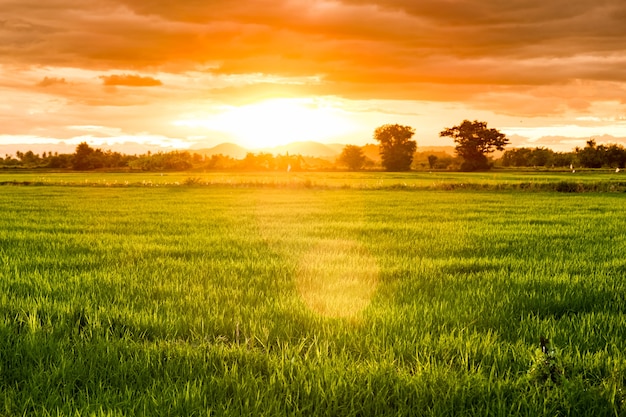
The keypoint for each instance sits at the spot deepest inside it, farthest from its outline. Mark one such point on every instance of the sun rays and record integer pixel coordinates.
(337, 278)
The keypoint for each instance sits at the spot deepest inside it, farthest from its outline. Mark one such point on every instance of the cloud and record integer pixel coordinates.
(130, 80)
(49, 81)
(526, 58)
(351, 44)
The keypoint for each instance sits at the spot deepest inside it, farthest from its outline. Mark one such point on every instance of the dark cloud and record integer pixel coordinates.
(427, 49)
(130, 80)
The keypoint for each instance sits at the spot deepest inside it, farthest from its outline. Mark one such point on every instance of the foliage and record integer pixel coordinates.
(433, 160)
(352, 156)
(473, 142)
(395, 146)
(282, 163)
(525, 157)
(546, 369)
(597, 156)
(87, 158)
(537, 157)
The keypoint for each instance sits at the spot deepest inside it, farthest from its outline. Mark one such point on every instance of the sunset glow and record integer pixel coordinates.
(276, 122)
(193, 74)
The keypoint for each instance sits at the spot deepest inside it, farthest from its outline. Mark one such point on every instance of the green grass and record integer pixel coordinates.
(248, 299)
(586, 180)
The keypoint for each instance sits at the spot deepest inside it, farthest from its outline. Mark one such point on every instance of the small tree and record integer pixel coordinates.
(396, 147)
(82, 156)
(352, 157)
(432, 160)
(473, 142)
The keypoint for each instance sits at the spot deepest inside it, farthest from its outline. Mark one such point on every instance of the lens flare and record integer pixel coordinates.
(337, 278)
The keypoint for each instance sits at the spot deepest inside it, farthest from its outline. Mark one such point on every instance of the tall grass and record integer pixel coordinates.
(298, 301)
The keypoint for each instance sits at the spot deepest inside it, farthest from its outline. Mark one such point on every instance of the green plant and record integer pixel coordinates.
(546, 368)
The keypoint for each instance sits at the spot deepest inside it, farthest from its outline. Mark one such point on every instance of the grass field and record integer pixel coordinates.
(532, 180)
(325, 295)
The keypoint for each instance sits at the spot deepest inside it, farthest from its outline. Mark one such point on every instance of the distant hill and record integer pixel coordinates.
(371, 152)
(311, 149)
(314, 149)
(227, 149)
(329, 151)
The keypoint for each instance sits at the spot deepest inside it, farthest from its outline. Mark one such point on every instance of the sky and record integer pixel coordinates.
(193, 74)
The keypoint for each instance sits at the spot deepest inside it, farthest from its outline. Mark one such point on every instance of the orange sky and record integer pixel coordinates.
(195, 73)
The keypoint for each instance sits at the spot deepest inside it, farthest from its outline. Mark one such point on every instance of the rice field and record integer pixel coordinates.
(323, 297)
(606, 180)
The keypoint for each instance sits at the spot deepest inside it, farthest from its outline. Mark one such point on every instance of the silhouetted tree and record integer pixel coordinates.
(258, 162)
(396, 147)
(473, 142)
(541, 157)
(563, 159)
(64, 160)
(290, 162)
(591, 155)
(432, 160)
(82, 157)
(352, 157)
(615, 156)
(597, 156)
(28, 159)
(526, 157)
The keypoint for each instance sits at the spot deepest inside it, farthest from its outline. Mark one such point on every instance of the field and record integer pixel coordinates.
(531, 180)
(312, 294)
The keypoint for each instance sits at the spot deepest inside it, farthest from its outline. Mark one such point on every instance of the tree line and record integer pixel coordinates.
(474, 142)
(590, 156)
(87, 158)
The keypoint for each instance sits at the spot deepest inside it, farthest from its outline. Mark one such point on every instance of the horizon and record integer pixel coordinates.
(127, 74)
(10, 150)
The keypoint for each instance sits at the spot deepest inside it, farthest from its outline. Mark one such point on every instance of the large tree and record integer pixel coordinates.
(473, 142)
(396, 147)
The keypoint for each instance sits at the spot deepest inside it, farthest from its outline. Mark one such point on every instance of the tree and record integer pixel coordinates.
(432, 160)
(82, 157)
(527, 157)
(396, 147)
(591, 155)
(615, 156)
(352, 157)
(473, 142)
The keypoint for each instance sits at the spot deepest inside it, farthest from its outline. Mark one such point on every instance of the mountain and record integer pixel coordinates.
(227, 149)
(371, 152)
(314, 149)
(329, 151)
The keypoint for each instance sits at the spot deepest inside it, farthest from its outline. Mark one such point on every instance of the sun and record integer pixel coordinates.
(275, 122)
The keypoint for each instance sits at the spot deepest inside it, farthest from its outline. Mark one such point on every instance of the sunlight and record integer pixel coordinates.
(277, 122)
(337, 278)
